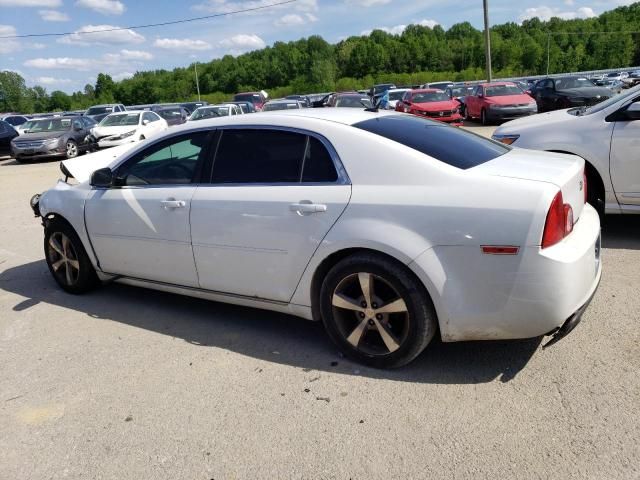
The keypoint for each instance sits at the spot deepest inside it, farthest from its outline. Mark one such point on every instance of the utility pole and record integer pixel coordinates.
(487, 39)
(548, 50)
(195, 67)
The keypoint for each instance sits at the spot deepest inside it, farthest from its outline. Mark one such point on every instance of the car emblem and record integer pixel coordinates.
(442, 114)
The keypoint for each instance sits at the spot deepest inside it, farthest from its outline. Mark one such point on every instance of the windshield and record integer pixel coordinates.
(99, 110)
(120, 119)
(502, 91)
(27, 125)
(397, 95)
(426, 97)
(269, 107)
(572, 82)
(50, 125)
(170, 113)
(461, 91)
(621, 99)
(209, 112)
(613, 75)
(354, 102)
(247, 97)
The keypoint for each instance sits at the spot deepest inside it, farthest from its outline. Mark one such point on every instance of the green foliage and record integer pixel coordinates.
(419, 55)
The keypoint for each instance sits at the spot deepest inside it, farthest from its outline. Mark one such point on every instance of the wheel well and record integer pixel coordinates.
(53, 218)
(329, 262)
(594, 179)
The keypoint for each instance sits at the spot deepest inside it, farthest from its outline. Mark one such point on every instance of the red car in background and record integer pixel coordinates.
(257, 98)
(431, 103)
(491, 102)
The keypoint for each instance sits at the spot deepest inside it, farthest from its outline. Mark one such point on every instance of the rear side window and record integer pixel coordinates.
(318, 164)
(450, 145)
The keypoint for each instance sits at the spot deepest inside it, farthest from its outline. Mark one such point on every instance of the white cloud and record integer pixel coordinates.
(60, 63)
(53, 16)
(102, 36)
(369, 3)
(569, 2)
(31, 3)
(293, 19)
(50, 80)
(122, 75)
(106, 7)
(545, 13)
(135, 55)
(110, 61)
(243, 43)
(398, 29)
(184, 44)
(8, 45)
(262, 6)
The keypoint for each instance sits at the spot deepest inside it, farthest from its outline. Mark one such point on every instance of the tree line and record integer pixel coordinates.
(419, 54)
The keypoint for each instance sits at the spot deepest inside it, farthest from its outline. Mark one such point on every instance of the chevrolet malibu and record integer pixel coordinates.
(387, 228)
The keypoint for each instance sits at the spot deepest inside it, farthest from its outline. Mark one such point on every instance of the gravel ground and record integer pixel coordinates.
(125, 383)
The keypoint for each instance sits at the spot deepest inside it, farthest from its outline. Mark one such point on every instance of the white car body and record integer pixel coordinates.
(401, 91)
(257, 245)
(222, 110)
(148, 124)
(608, 145)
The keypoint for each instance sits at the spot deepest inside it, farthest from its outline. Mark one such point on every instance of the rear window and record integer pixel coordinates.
(450, 145)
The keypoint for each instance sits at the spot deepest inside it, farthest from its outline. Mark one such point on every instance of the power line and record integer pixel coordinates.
(150, 25)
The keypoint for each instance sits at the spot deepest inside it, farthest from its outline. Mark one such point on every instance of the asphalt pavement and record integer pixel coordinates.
(125, 383)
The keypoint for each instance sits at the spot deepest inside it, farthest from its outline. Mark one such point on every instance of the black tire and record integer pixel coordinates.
(483, 117)
(467, 117)
(410, 329)
(71, 279)
(71, 149)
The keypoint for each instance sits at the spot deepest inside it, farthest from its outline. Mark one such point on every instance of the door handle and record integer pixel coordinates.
(306, 207)
(166, 204)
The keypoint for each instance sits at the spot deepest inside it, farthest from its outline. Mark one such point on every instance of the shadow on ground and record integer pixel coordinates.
(621, 232)
(259, 334)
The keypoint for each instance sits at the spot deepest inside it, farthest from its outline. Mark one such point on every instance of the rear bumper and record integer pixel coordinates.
(498, 297)
(510, 114)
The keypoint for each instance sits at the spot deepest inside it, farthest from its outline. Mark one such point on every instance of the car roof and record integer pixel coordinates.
(426, 90)
(127, 112)
(496, 84)
(105, 105)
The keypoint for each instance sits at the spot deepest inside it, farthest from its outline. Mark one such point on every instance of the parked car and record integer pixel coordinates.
(386, 227)
(281, 104)
(566, 92)
(246, 107)
(439, 85)
(396, 94)
(303, 99)
(7, 133)
(318, 99)
(24, 128)
(498, 101)
(54, 137)
(175, 115)
(459, 93)
(127, 127)
(349, 100)
(257, 98)
(431, 103)
(15, 120)
(616, 86)
(210, 111)
(605, 136)
(192, 106)
(98, 112)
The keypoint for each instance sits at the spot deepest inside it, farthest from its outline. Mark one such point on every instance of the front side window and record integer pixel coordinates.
(271, 156)
(173, 162)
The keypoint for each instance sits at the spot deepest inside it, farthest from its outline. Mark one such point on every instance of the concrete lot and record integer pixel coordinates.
(125, 383)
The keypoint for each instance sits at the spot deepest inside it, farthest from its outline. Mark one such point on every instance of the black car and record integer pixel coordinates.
(174, 115)
(566, 92)
(7, 133)
(98, 112)
(304, 99)
(54, 137)
(191, 106)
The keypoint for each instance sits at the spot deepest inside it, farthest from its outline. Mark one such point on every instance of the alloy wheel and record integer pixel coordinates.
(72, 149)
(370, 314)
(63, 258)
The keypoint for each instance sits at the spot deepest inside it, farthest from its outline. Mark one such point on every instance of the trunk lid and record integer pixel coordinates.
(562, 170)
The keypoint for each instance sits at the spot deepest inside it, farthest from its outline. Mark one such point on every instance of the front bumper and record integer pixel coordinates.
(105, 143)
(510, 113)
(44, 151)
(455, 118)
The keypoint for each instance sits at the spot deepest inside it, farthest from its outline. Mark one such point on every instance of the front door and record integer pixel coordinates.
(625, 161)
(140, 227)
(273, 197)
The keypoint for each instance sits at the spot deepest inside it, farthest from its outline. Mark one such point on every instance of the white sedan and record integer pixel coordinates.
(386, 227)
(212, 111)
(605, 136)
(127, 127)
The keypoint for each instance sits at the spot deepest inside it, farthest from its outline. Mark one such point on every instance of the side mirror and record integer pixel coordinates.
(102, 178)
(632, 112)
(481, 95)
(145, 122)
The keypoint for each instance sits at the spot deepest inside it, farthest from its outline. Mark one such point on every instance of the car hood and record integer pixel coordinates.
(586, 92)
(517, 126)
(510, 99)
(42, 135)
(82, 167)
(435, 106)
(114, 130)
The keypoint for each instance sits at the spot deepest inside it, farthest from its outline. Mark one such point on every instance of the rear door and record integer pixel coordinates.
(274, 195)
(625, 161)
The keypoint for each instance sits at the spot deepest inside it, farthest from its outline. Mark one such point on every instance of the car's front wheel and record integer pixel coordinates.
(377, 311)
(67, 259)
(483, 117)
(71, 149)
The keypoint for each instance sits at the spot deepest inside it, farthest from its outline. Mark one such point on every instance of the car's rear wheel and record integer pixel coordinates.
(67, 259)
(377, 311)
(71, 149)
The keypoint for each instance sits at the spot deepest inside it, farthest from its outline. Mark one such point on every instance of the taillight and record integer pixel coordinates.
(559, 222)
(584, 183)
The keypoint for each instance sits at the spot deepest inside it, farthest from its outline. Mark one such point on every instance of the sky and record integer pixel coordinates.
(68, 63)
